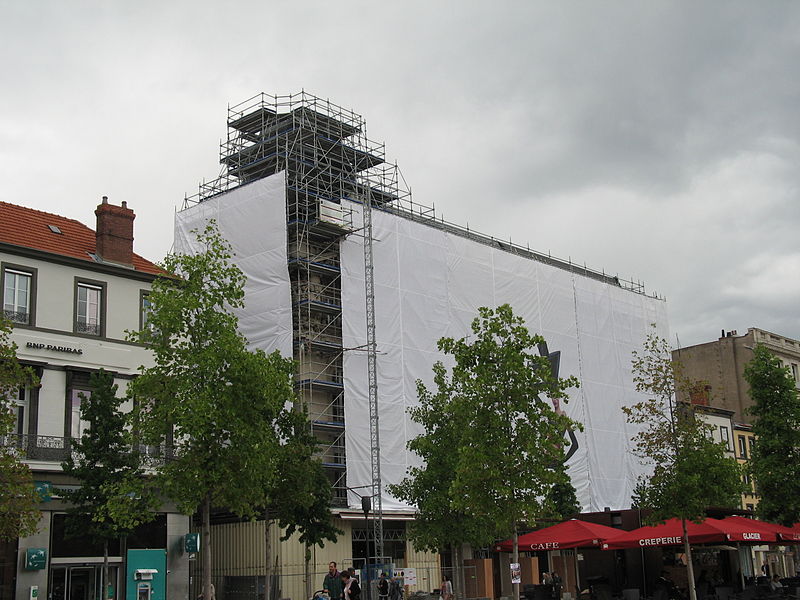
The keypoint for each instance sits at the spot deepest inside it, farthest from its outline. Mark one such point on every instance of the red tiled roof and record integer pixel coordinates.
(27, 227)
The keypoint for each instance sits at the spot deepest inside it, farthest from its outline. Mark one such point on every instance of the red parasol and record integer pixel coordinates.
(569, 534)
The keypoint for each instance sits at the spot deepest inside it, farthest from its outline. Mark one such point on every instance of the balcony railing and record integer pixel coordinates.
(15, 316)
(50, 448)
(88, 328)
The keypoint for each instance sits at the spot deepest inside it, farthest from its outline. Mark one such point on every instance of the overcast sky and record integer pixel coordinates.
(656, 140)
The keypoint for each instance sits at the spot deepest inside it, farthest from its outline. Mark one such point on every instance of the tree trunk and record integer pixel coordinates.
(687, 548)
(516, 560)
(267, 557)
(458, 573)
(104, 577)
(309, 589)
(206, 548)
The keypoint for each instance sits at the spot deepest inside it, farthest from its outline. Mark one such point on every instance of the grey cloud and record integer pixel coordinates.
(658, 140)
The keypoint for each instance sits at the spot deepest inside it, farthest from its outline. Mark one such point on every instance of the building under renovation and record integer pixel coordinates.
(356, 281)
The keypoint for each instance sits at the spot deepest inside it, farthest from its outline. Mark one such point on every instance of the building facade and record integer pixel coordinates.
(356, 282)
(71, 294)
(720, 364)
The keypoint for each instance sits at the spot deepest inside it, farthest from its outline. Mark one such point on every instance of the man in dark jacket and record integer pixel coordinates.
(332, 584)
(383, 587)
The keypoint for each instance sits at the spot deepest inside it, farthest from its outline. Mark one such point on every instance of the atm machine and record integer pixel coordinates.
(146, 577)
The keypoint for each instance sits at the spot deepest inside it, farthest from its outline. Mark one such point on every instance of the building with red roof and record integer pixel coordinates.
(71, 293)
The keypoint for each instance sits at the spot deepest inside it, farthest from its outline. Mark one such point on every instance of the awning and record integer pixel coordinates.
(745, 530)
(569, 534)
(785, 534)
(669, 533)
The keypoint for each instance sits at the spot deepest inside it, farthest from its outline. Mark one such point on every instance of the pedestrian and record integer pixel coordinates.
(350, 588)
(556, 585)
(395, 591)
(383, 587)
(446, 591)
(332, 584)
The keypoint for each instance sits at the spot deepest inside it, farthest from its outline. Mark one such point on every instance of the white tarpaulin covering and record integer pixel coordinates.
(253, 219)
(429, 284)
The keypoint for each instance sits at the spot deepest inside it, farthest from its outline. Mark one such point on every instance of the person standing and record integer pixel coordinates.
(332, 584)
(446, 591)
(350, 588)
(383, 587)
(395, 591)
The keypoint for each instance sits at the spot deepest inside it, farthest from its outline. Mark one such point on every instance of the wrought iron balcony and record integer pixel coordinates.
(88, 328)
(50, 448)
(15, 316)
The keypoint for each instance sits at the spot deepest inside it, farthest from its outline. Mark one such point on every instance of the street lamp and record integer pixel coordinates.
(366, 506)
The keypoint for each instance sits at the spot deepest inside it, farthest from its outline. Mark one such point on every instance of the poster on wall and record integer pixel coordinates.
(516, 573)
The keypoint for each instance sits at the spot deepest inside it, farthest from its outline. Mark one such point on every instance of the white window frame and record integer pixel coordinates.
(724, 435)
(12, 306)
(77, 425)
(89, 310)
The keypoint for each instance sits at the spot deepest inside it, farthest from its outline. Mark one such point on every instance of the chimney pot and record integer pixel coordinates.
(124, 204)
(105, 199)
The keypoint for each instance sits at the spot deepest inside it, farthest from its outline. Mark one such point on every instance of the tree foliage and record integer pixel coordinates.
(216, 404)
(492, 442)
(19, 513)
(690, 471)
(207, 395)
(113, 498)
(299, 496)
(775, 463)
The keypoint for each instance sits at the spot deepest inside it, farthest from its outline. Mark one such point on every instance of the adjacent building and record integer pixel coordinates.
(72, 293)
(720, 365)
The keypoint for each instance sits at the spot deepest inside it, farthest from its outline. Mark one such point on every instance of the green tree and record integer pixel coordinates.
(113, 498)
(492, 441)
(299, 496)
(775, 463)
(215, 400)
(562, 497)
(19, 512)
(690, 471)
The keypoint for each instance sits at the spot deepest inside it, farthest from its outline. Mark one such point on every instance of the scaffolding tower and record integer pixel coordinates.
(327, 157)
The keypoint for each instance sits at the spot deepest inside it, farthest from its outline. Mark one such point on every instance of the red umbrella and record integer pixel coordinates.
(569, 534)
(746, 531)
(669, 533)
(786, 534)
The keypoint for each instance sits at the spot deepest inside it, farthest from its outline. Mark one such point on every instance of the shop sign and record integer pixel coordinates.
(35, 559)
(44, 489)
(191, 543)
(53, 348)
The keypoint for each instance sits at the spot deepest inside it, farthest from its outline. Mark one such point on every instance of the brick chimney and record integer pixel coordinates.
(115, 232)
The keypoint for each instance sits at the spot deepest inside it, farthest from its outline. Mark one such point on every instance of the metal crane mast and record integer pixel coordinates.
(372, 376)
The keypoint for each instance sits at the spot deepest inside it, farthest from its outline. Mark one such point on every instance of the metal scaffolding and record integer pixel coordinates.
(326, 156)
